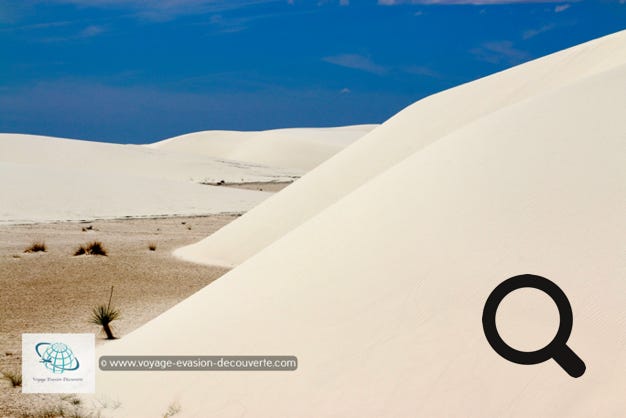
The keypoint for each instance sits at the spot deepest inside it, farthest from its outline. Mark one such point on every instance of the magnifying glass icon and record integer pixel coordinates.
(557, 349)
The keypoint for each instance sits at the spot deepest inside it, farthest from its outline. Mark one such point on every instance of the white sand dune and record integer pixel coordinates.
(44, 194)
(134, 160)
(50, 179)
(409, 131)
(54, 179)
(380, 295)
(298, 149)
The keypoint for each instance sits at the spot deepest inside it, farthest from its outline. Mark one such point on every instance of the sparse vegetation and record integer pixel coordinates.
(172, 410)
(107, 403)
(14, 377)
(59, 411)
(49, 412)
(92, 248)
(88, 228)
(103, 315)
(71, 399)
(189, 227)
(37, 247)
(152, 246)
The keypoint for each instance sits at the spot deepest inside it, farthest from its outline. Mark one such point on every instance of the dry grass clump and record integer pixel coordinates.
(14, 377)
(92, 248)
(37, 247)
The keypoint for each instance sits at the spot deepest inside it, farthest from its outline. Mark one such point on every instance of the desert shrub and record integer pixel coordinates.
(72, 399)
(152, 246)
(14, 377)
(36, 247)
(92, 248)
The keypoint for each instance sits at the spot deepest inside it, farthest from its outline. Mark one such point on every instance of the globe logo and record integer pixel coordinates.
(57, 357)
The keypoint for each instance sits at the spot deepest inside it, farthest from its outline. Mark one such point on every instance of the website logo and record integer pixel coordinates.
(57, 357)
(58, 363)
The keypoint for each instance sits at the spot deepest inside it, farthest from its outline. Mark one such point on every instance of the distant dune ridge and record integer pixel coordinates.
(299, 149)
(376, 280)
(51, 179)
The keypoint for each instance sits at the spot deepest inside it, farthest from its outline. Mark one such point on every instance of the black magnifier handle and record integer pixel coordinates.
(570, 362)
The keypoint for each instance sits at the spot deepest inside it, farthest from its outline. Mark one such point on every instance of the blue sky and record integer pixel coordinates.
(138, 71)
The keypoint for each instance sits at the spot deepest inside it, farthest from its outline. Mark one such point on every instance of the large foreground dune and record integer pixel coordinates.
(298, 149)
(409, 131)
(380, 294)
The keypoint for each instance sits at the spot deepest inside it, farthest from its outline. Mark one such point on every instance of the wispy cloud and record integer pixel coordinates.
(422, 70)
(500, 52)
(531, 33)
(356, 62)
(230, 24)
(84, 33)
(37, 26)
(561, 8)
(92, 30)
(476, 2)
(168, 9)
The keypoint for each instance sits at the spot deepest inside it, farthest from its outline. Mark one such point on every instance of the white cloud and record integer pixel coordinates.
(166, 9)
(422, 70)
(531, 33)
(561, 8)
(356, 62)
(92, 30)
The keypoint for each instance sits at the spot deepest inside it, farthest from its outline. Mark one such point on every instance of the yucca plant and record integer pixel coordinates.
(103, 315)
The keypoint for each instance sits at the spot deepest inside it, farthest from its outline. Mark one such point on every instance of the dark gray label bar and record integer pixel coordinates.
(195, 363)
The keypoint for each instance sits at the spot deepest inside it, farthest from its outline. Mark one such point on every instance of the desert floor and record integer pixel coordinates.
(55, 291)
